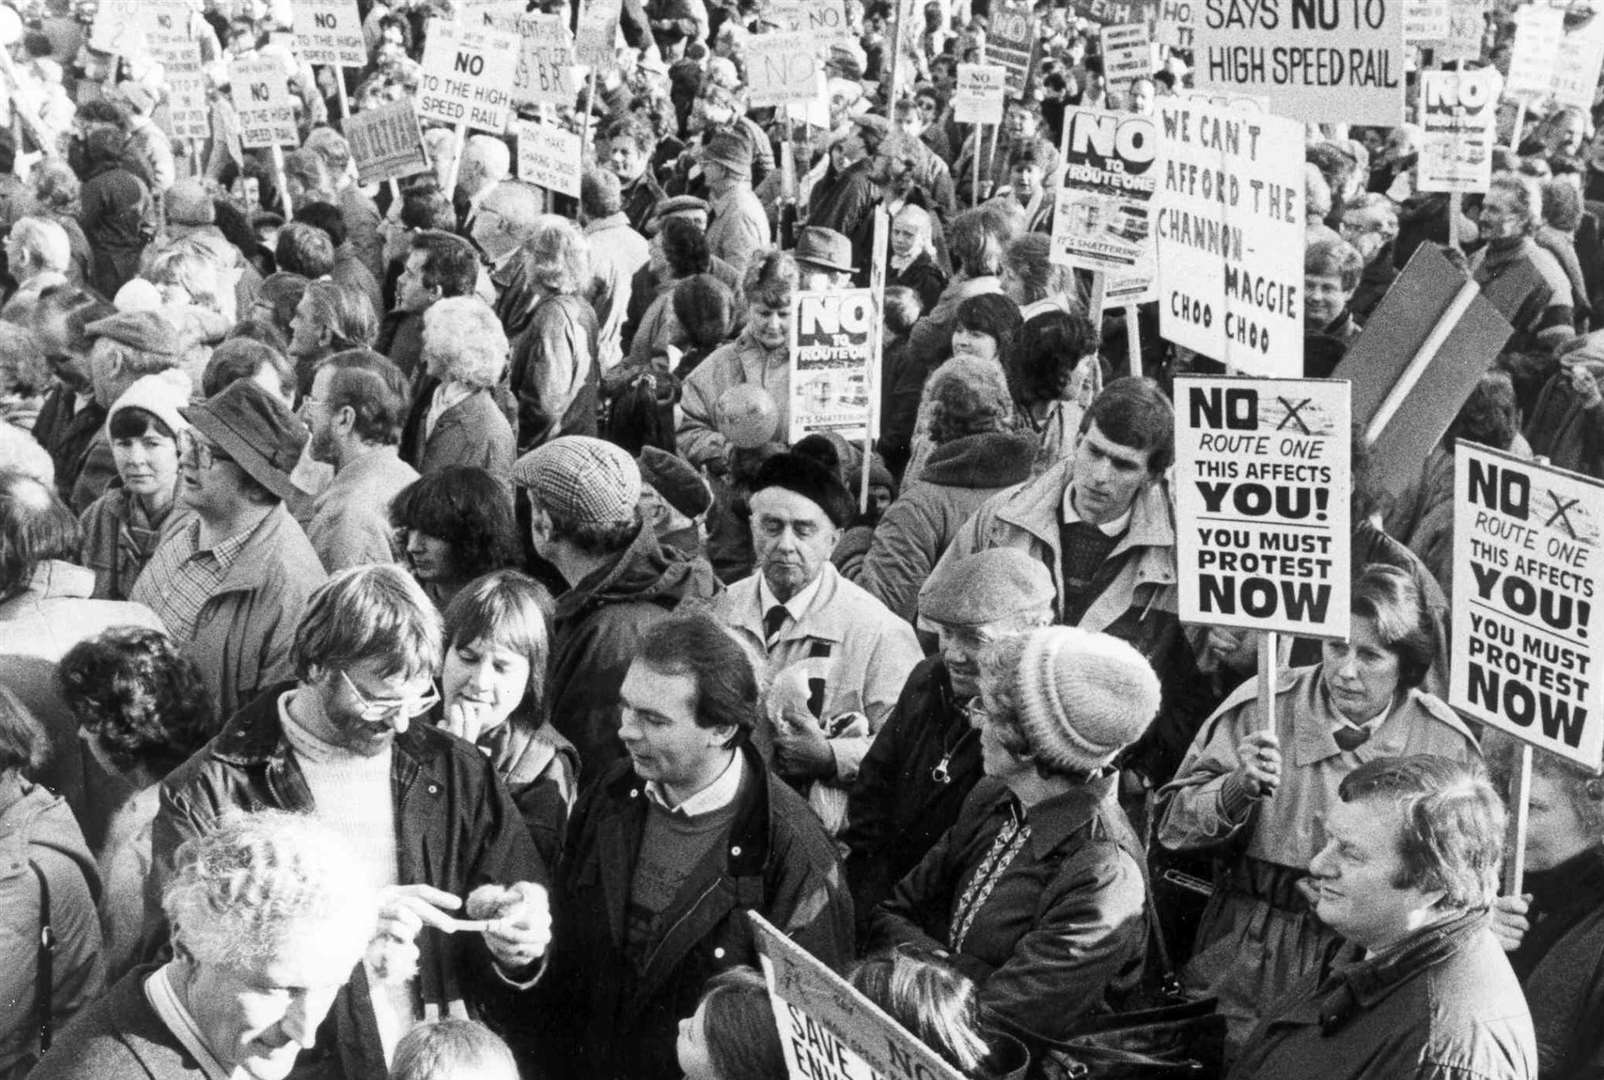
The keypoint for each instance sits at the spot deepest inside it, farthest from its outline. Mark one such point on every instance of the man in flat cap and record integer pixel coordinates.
(837, 657)
(232, 583)
(740, 225)
(926, 759)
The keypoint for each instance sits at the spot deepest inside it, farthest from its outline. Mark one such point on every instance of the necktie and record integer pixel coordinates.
(1349, 737)
(773, 620)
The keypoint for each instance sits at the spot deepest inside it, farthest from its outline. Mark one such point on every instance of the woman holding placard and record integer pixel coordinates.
(1254, 798)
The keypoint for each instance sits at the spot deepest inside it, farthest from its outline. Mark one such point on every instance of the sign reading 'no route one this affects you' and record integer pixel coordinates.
(1262, 471)
(1527, 630)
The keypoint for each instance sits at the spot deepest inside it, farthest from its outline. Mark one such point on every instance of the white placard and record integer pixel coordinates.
(330, 32)
(832, 360)
(1425, 22)
(1230, 229)
(1318, 61)
(1459, 113)
(1527, 636)
(1262, 472)
(262, 99)
(783, 68)
(978, 97)
(1127, 55)
(1531, 62)
(548, 156)
(1174, 23)
(386, 142)
(468, 74)
(596, 35)
(1102, 218)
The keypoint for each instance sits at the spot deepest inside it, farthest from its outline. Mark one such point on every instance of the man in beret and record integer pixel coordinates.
(926, 759)
(674, 500)
(837, 657)
(232, 583)
(585, 520)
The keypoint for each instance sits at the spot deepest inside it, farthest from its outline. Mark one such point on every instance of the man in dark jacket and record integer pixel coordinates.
(70, 417)
(666, 854)
(926, 759)
(585, 521)
(1408, 872)
(430, 824)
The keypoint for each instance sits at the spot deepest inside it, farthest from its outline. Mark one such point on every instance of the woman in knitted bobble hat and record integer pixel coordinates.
(1036, 891)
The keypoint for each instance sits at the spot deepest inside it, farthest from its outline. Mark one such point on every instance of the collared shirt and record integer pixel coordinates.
(171, 1011)
(715, 796)
(1109, 528)
(446, 395)
(796, 607)
(181, 577)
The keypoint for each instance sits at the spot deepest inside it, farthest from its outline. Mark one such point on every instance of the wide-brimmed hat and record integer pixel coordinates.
(818, 246)
(256, 430)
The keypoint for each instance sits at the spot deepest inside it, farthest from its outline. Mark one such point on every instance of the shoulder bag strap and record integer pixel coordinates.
(44, 978)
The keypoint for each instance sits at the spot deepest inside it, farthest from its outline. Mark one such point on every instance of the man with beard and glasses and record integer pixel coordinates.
(354, 413)
(430, 825)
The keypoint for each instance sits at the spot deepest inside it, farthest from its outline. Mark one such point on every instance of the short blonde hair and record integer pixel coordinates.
(44, 242)
(558, 258)
(258, 881)
(463, 335)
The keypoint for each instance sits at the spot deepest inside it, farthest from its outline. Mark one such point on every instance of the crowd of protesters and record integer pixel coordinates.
(422, 643)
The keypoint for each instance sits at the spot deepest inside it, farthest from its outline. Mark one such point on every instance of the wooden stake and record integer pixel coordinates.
(283, 182)
(456, 158)
(339, 87)
(1133, 340)
(974, 190)
(1269, 650)
(1515, 865)
(590, 109)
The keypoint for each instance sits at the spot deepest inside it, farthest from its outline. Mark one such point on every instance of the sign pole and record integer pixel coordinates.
(1269, 654)
(339, 86)
(1520, 122)
(461, 142)
(1515, 867)
(991, 159)
(590, 110)
(1133, 340)
(974, 188)
(283, 181)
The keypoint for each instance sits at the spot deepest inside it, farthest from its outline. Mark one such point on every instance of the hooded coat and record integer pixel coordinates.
(597, 630)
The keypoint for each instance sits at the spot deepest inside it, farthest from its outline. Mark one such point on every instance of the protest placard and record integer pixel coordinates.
(832, 363)
(262, 99)
(1467, 24)
(1425, 22)
(1262, 471)
(330, 32)
(1538, 31)
(783, 68)
(596, 34)
(1458, 112)
(1011, 42)
(1127, 55)
(1230, 229)
(467, 76)
(1174, 23)
(1101, 215)
(1319, 61)
(1574, 74)
(548, 156)
(1112, 12)
(825, 19)
(386, 142)
(188, 108)
(830, 1031)
(1527, 642)
(978, 97)
(546, 64)
(165, 26)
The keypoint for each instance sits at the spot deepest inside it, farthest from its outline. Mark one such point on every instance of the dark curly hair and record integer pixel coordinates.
(145, 700)
(1050, 345)
(467, 508)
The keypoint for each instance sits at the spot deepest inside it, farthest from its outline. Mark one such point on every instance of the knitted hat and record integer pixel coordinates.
(256, 430)
(583, 480)
(672, 477)
(148, 331)
(162, 395)
(812, 479)
(731, 152)
(986, 587)
(187, 203)
(1082, 697)
(967, 395)
(137, 294)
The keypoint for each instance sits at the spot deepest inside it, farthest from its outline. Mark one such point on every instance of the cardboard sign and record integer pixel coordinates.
(1174, 24)
(1396, 333)
(1467, 24)
(1127, 56)
(824, 19)
(1230, 232)
(1113, 12)
(166, 29)
(1458, 112)
(1011, 42)
(1527, 628)
(830, 1031)
(467, 75)
(548, 156)
(262, 99)
(189, 109)
(1262, 473)
(1425, 22)
(546, 64)
(1319, 61)
(978, 97)
(1575, 69)
(330, 32)
(783, 68)
(832, 363)
(1102, 217)
(596, 34)
(1531, 62)
(386, 142)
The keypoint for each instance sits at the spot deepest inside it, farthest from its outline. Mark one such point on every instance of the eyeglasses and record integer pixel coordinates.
(379, 710)
(204, 453)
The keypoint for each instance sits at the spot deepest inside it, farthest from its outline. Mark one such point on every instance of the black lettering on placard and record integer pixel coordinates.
(1505, 491)
(260, 92)
(1217, 407)
(1101, 137)
(1316, 14)
(326, 20)
(1518, 703)
(472, 65)
(1261, 597)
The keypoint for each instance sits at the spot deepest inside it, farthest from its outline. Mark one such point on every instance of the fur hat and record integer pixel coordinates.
(1082, 697)
(811, 477)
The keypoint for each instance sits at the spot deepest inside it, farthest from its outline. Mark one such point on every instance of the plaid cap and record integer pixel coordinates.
(583, 480)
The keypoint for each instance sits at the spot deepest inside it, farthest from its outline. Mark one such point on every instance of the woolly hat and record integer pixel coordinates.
(582, 480)
(188, 203)
(672, 477)
(986, 587)
(805, 474)
(148, 331)
(1082, 697)
(162, 395)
